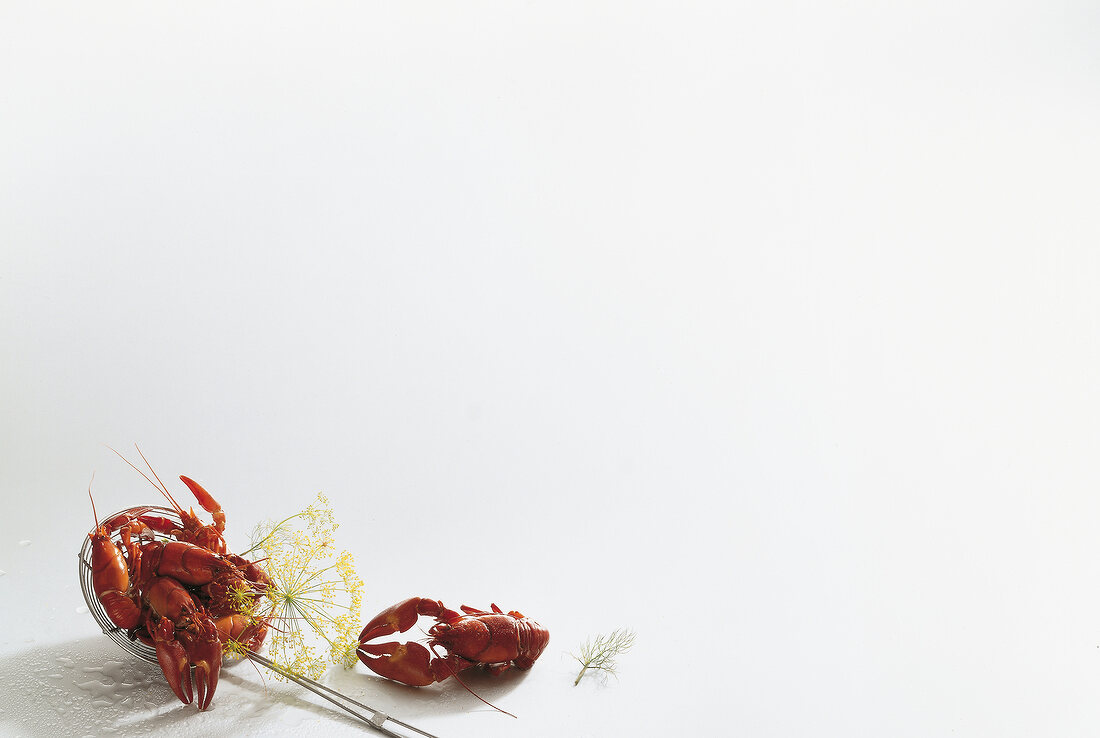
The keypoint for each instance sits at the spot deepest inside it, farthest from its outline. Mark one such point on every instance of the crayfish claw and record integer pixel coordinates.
(173, 660)
(204, 652)
(408, 663)
(206, 682)
(394, 619)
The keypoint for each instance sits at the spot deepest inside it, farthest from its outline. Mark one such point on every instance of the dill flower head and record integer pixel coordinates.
(314, 604)
(234, 648)
(242, 598)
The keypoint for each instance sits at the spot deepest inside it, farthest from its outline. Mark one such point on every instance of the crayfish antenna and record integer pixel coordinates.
(158, 487)
(467, 687)
(163, 488)
(92, 500)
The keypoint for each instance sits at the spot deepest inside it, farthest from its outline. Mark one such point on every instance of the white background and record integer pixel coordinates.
(767, 329)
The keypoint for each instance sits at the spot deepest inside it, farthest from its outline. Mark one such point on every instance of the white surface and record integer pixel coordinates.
(769, 330)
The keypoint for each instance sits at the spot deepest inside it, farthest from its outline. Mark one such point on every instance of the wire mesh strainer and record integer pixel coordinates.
(375, 719)
(112, 631)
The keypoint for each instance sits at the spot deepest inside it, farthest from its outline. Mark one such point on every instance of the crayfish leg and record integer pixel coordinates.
(498, 669)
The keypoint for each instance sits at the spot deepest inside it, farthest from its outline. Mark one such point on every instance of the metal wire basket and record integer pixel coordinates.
(373, 718)
(115, 633)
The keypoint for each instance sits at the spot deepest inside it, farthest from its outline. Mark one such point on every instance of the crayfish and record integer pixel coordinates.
(496, 640)
(185, 597)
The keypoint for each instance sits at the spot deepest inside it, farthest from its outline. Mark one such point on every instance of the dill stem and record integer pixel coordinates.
(269, 535)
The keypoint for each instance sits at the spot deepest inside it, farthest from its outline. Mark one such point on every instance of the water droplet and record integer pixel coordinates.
(82, 609)
(2, 572)
(113, 669)
(24, 543)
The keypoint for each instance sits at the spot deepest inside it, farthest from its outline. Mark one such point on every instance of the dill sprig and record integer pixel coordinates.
(316, 597)
(599, 653)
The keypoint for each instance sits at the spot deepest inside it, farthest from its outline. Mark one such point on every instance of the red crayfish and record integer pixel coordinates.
(185, 597)
(495, 639)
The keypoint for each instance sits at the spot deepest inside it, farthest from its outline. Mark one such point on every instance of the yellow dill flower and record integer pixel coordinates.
(234, 649)
(342, 649)
(242, 598)
(316, 597)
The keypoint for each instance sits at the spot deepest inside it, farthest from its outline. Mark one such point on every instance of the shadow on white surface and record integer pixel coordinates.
(445, 698)
(87, 687)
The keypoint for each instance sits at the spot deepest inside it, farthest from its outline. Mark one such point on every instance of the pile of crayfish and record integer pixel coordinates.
(175, 587)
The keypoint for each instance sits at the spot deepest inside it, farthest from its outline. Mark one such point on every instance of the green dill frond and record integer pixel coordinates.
(599, 653)
(268, 534)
